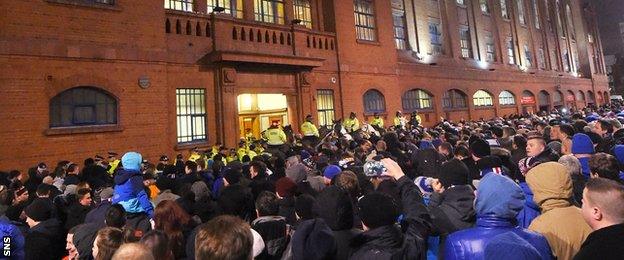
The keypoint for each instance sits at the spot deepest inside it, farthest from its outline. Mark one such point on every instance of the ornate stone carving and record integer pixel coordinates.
(229, 76)
(307, 78)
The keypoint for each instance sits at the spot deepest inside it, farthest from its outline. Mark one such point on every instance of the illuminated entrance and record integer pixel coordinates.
(256, 112)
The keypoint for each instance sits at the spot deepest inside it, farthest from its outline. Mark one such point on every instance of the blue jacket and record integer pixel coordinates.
(17, 239)
(530, 210)
(130, 194)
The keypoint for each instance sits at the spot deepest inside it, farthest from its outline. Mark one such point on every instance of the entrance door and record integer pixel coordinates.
(256, 112)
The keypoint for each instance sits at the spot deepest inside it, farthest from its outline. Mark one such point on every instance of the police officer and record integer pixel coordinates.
(113, 162)
(414, 119)
(351, 124)
(309, 131)
(275, 136)
(399, 121)
(377, 122)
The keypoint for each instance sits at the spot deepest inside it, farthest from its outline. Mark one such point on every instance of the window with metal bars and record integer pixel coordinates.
(325, 106)
(398, 18)
(465, 42)
(482, 99)
(528, 56)
(180, 5)
(435, 36)
(82, 106)
(485, 6)
(490, 51)
(511, 51)
(504, 12)
(521, 16)
(506, 98)
(416, 99)
(191, 114)
(303, 12)
(232, 7)
(536, 14)
(374, 102)
(454, 99)
(269, 11)
(365, 20)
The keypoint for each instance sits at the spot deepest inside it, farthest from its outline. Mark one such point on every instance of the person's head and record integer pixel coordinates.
(582, 145)
(535, 145)
(224, 237)
(107, 241)
(571, 163)
(131, 161)
(73, 168)
(377, 210)
(366, 145)
(603, 203)
(376, 115)
(498, 196)
(352, 115)
(381, 145)
(603, 127)
(170, 217)
(257, 168)
(190, 167)
(133, 251)
(330, 172)
(334, 206)
(519, 142)
(461, 152)
(84, 197)
(479, 148)
(37, 212)
(348, 181)
(605, 166)
(267, 204)
(566, 131)
(308, 118)
(115, 216)
(454, 172)
(157, 242)
(551, 185)
(446, 149)
(497, 131)
(398, 113)
(72, 251)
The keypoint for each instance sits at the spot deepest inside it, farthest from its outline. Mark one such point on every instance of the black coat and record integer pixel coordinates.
(451, 211)
(76, 215)
(287, 210)
(45, 241)
(98, 214)
(604, 244)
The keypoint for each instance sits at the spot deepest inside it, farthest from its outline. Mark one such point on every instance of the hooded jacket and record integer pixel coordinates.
(7, 229)
(313, 240)
(452, 210)
(130, 194)
(560, 221)
(499, 199)
(45, 241)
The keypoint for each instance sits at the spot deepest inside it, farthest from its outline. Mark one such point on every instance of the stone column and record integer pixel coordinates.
(248, 10)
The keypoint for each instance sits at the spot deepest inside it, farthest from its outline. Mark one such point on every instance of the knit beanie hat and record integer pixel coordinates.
(38, 210)
(377, 210)
(454, 172)
(582, 144)
(480, 148)
(331, 171)
(131, 161)
(297, 172)
(285, 187)
(305, 205)
(232, 176)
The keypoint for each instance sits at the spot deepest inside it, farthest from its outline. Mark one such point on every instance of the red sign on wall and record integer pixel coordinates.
(527, 100)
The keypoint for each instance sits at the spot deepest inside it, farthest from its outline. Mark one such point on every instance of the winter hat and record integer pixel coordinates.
(582, 144)
(424, 144)
(106, 194)
(38, 210)
(305, 205)
(499, 196)
(297, 172)
(334, 206)
(131, 161)
(232, 176)
(454, 172)
(258, 244)
(510, 246)
(377, 210)
(164, 183)
(331, 171)
(618, 151)
(480, 148)
(83, 239)
(555, 146)
(313, 240)
(200, 189)
(591, 118)
(490, 164)
(285, 187)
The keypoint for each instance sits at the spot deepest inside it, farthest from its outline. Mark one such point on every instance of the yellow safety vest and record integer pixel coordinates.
(398, 121)
(351, 125)
(241, 152)
(378, 122)
(194, 157)
(309, 129)
(275, 136)
(251, 154)
(113, 166)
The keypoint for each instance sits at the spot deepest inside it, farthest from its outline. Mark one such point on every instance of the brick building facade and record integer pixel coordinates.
(82, 77)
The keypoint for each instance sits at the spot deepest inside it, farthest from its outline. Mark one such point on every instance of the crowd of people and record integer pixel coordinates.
(545, 186)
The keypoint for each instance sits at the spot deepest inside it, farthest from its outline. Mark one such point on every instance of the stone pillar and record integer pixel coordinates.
(226, 107)
(248, 10)
(289, 13)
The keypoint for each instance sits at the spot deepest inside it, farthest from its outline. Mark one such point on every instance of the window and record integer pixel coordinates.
(528, 57)
(510, 51)
(303, 12)
(82, 106)
(506, 98)
(558, 98)
(191, 114)
(365, 20)
(559, 23)
(580, 96)
(553, 60)
(482, 99)
(548, 20)
(466, 44)
(575, 58)
(398, 18)
(536, 14)
(233, 7)
(435, 35)
(325, 106)
(269, 11)
(490, 53)
(416, 99)
(570, 23)
(521, 12)
(541, 59)
(504, 12)
(180, 5)
(566, 61)
(485, 8)
(454, 99)
(374, 102)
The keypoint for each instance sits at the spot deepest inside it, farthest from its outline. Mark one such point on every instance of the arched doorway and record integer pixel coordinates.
(580, 99)
(528, 102)
(558, 100)
(570, 99)
(544, 101)
(591, 98)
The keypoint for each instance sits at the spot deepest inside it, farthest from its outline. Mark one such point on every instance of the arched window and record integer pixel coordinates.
(506, 98)
(544, 98)
(374, 102)
(482, 99)
(454, 99)
(580, 96)
(81, 106)
(570, 96)
(416, 99)
(590, 97)
(558, 98)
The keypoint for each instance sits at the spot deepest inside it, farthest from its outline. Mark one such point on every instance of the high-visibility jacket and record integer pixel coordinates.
(241, 152)
(113, 166)
(275, 136)
(399, 121)
(351, 125)
(194, 156)
(309, 129)
(377, 122)
(418, 119)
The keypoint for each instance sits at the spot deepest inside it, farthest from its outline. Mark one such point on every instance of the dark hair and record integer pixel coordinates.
(224, 237)
(606, 125)
(71, 167)
(497, 131)
(447, 146)
(108, 240)
(157, 242)
(115, 216)
(605, 166)
(348, 181)
(81, 193)
(267, 204)
(567, 129)
(89, 162)
(304, 205)
(191, 165)
(462, 150)
(258, 166)
(520, 141)
(172, 219)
